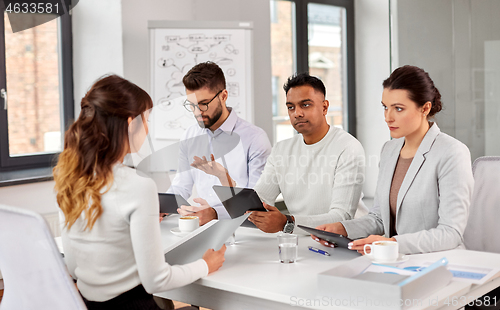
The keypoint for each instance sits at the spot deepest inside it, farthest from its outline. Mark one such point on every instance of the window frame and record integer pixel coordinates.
(46, 160)
(302, 51)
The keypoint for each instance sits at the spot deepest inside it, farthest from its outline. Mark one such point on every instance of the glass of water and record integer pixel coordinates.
(288, 245)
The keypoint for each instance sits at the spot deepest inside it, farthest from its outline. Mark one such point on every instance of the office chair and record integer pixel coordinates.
(483, 229)
(35, 276)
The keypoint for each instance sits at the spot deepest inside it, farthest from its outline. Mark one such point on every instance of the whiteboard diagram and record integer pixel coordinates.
(175, 50)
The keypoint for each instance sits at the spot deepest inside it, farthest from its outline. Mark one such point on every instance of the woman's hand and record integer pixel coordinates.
(336, 228)
(358, 245)
(214, 259)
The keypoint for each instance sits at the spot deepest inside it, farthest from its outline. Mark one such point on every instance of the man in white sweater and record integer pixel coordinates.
(320, 171)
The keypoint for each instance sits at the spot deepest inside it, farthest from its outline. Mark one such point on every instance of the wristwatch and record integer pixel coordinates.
(290, 225)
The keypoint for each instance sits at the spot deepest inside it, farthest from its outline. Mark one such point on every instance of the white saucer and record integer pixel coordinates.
(401, 258)
(178, 233)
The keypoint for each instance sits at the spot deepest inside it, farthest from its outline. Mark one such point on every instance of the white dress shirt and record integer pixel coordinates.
(242, 148)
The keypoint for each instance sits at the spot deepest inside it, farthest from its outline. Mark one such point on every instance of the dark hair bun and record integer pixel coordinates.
(437, 105)
(419, 85)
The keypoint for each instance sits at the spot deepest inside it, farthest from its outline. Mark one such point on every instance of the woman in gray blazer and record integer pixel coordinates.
(425, 180)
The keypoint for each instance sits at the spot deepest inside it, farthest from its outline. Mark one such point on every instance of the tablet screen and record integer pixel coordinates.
(238, 201)
(170, 202)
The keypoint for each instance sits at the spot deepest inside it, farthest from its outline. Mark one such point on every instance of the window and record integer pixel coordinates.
(315, 36)
(36, 76)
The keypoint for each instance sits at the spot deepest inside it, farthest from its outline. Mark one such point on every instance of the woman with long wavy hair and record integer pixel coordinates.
(111, 236)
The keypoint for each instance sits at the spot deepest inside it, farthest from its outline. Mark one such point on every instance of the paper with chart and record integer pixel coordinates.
(463, 273)
(175, 52)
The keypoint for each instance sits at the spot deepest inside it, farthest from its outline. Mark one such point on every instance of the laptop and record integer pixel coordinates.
(170, 202)
(239, 200)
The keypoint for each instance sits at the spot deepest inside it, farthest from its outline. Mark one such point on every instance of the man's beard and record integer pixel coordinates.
(207, 121)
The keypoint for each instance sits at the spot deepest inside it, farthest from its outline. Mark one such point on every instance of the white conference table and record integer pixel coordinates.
(253, 278)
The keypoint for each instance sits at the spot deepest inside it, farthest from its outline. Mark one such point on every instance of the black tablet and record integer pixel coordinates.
(170, 202)
(339, 240)
(239, 200)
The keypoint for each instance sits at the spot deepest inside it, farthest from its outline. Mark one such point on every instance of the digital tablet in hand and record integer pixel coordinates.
(339, 240)
(238, 201)
(170, 202)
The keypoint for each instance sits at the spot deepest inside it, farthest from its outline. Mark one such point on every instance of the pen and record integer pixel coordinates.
(319, 251)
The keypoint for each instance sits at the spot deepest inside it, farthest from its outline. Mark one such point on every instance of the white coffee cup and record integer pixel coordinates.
(188, 223)
(383, 251)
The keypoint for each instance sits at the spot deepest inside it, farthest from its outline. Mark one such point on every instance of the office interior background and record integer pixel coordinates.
(456, 41)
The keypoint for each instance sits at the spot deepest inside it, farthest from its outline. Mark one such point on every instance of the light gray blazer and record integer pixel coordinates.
(434, 198)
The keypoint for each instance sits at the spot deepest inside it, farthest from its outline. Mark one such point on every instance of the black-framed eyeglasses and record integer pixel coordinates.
(191, 107)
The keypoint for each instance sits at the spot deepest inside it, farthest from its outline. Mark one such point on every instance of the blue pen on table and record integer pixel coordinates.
(315, 250)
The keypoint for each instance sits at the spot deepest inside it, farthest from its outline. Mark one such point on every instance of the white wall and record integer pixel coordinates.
(135, 32)
(97, 43)
(492, 97)
(372, 67)
(425, 39)
(448, 39)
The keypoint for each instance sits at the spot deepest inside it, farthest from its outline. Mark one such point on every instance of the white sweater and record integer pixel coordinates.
(124, 248)
(321, 183)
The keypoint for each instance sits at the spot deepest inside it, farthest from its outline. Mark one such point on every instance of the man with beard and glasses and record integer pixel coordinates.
(220, 140)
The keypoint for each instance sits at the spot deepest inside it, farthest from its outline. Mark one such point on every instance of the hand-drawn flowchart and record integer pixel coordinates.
(175, 52)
